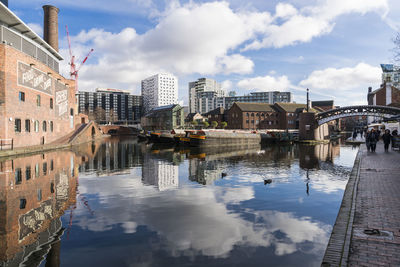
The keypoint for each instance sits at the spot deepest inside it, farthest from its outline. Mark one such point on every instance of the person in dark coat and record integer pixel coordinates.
(386, 137)
(367, 133)
(372, 137)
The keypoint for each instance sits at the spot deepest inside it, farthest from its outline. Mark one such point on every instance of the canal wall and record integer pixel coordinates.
(337, 251)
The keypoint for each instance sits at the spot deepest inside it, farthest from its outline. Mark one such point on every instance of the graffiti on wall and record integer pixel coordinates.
(34, 78)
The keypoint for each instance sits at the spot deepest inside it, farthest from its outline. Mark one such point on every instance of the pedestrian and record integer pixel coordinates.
(373, 139)
(354, 135)
(377, 134)
(386, 137)
(367, 133)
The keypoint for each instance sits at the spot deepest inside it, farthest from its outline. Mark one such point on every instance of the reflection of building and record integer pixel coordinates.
(34, 192)
(310, 156)
(37, 104)
(110, 105)
(113, 157)
(160, 173)
(159, 90)
(204, 171)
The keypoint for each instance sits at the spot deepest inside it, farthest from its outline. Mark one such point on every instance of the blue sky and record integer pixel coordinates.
(333, 47)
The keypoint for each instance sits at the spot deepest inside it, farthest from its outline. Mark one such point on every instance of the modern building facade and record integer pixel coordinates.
(159, 90)
(201, 94)
(111, 105)
(270, 97)
(37, 104)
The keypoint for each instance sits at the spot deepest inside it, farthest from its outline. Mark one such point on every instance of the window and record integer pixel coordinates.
(38, 100)
(27, 125)
(17, 125)
(71, 112)
(21, 96)
(51, 165)
(247, 114)
(52, 187)
(51, 103)
(247, 121)
(18, 176)
(28, 172)
(39, 194)
(36, 126)
(44, 168)
(252, 121)
(51, 126)
(37, 170)
(44, 126)
(22, 203)
(252, 114)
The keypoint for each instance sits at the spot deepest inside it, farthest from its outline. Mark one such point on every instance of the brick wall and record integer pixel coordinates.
(48, 191)
(13, 108)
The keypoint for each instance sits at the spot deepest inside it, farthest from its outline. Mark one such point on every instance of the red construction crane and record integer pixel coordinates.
(74, 70)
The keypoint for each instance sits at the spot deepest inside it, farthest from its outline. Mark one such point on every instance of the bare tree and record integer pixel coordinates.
(99, 114)
(396, 49)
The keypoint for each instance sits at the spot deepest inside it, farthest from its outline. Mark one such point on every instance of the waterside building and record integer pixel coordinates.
(37, 104)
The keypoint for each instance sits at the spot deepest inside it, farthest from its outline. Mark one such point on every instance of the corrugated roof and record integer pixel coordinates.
(322, 103)
(291, 107)
(217, 111)
(263, 107)
(13, 21)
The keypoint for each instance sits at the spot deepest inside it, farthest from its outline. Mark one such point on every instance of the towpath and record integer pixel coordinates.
(367, 230)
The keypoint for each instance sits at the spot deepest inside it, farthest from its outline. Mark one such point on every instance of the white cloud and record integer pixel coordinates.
(292, 26)
(349, 85)
(265, 83)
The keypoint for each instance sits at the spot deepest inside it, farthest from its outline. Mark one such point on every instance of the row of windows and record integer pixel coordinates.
(21, 97)
(266, 122)
(28, 172)
(262, 114)
(36, 125)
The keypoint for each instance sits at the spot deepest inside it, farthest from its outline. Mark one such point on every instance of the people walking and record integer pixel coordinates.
(372, 139)
(386, 137)
(367, 133)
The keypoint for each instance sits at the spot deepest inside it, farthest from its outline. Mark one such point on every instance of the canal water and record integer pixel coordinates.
(124, 203)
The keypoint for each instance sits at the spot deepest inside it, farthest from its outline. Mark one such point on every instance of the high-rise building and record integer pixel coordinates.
(197, 91)
(111, 105)
(391, 74)
(159, 90)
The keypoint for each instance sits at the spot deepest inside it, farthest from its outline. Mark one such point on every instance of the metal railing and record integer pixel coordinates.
(6, 144)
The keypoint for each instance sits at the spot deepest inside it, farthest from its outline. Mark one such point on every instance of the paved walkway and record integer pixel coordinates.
(377, 206)
(371, 202)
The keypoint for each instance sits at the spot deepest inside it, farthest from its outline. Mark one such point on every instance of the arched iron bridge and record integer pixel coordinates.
(350, 111)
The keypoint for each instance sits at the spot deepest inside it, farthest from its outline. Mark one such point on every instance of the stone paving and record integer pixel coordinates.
(377, 206)
(371, 202)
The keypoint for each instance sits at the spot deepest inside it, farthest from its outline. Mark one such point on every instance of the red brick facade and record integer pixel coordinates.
(54, 115)
(380, 96)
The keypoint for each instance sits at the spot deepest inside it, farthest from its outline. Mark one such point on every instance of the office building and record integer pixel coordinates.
(159, 90)
(270, 97)
(201, 92)
(111, 105)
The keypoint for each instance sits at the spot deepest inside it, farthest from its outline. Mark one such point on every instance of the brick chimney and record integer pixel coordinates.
(50, 26)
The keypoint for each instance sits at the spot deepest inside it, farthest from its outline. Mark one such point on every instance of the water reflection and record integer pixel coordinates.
(157, 206)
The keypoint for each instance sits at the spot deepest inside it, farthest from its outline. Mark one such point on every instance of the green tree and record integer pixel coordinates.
(214, 124)
(194, 123)
(205, 124)
(224, 124)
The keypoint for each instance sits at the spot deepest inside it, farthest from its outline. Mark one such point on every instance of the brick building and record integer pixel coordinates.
(252, 116)
(288, 117)
(218, 115)
(37, 104)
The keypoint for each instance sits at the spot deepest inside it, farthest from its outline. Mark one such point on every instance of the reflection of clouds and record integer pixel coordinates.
(196, 220)
(328, 183)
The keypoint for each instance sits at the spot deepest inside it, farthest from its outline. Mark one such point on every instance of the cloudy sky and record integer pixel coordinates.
(333, 47)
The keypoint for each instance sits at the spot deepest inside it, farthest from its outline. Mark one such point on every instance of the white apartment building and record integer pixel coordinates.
(159, 90)
(197, 91)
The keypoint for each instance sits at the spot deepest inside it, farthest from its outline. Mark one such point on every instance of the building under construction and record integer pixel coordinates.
(37, 104)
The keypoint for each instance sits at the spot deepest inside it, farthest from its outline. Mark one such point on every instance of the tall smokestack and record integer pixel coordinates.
(50, 26)
(5, 2)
